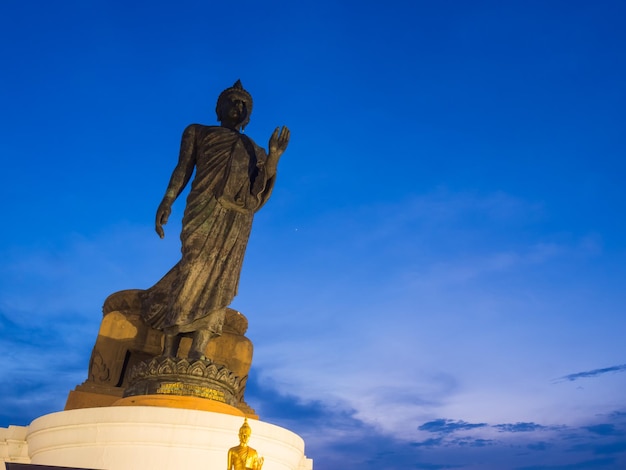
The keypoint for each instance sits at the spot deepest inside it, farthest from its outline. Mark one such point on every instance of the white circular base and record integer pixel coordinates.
(154, 438)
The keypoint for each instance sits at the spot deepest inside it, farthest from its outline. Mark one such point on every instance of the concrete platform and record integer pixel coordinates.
(152, 438)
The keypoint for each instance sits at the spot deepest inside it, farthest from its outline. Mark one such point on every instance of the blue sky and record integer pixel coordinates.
(439, 279)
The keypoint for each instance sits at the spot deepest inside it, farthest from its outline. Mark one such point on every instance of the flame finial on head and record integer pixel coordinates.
(245, 427)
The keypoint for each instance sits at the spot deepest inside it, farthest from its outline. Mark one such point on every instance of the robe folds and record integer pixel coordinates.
(229, 186)
(243, 458)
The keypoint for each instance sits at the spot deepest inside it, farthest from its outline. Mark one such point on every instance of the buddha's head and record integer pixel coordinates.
(244, 432)
(234, 107)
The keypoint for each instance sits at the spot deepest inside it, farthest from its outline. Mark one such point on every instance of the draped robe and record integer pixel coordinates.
(230, 185)
(243, 458)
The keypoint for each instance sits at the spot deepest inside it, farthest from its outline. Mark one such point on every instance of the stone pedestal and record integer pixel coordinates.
(125, 342)
(155, 438)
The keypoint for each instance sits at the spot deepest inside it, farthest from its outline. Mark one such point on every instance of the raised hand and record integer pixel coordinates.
(279, 142)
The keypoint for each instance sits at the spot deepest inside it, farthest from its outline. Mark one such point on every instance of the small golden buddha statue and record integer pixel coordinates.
(244, 457)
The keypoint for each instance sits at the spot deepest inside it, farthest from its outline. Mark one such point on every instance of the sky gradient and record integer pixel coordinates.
(439, 279)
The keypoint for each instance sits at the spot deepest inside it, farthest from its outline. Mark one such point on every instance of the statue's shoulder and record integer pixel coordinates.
(200, 131)
(200, 128)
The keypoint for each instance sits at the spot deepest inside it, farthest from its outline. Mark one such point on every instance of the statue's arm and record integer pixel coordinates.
(180, 177)
(230, 460)
(264, 182)
(277, 146)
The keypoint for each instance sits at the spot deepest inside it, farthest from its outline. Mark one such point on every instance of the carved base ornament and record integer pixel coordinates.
(175, 376)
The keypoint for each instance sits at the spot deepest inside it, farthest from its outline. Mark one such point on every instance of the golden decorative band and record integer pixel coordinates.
(180, 388)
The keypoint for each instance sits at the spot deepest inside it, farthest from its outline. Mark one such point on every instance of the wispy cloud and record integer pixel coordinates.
(447, 426)
(519, 427)
(592, 373)
(432, 442)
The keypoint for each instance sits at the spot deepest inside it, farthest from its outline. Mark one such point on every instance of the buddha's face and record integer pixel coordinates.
(236, 111)
(244, 437)
(233, 113)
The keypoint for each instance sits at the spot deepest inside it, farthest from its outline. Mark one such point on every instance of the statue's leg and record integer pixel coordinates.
(200, 341)
(170, 345)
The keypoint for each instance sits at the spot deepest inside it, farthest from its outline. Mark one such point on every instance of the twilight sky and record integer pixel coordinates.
(439, 279)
